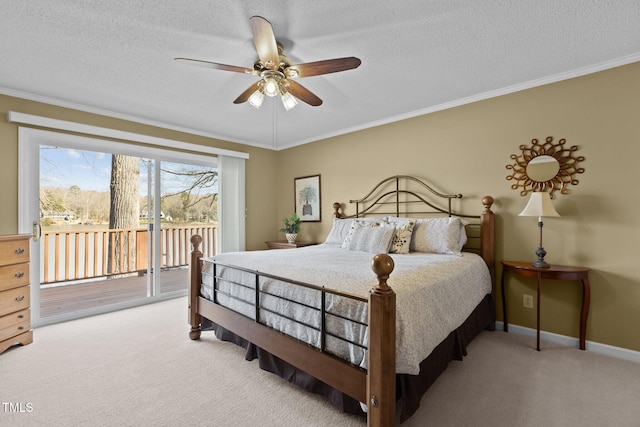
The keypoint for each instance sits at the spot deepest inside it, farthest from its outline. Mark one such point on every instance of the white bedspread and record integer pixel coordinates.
(434, 295)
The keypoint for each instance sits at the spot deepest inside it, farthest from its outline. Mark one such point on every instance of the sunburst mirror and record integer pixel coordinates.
(547, 166)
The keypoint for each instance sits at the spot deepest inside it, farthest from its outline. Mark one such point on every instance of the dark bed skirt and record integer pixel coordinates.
(409, 388)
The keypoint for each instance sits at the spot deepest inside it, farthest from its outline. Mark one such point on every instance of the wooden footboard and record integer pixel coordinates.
(375, 386)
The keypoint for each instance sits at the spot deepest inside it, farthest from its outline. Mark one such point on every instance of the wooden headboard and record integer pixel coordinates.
(407, 196)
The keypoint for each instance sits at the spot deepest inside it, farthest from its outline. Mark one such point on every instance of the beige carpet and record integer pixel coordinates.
(137, 367)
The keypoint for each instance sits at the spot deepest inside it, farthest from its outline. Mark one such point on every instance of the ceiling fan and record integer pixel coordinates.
(276, 72)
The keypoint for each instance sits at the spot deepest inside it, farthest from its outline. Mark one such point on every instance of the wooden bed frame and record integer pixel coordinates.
(377, 385)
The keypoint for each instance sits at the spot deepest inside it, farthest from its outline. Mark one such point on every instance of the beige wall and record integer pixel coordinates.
(465, 150)
(260, 168)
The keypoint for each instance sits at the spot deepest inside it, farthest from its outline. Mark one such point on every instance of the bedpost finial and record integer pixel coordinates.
(487, 202)
(382, 265)
(196, 240)
(336, 210)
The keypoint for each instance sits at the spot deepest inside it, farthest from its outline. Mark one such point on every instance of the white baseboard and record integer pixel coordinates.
(609, 350)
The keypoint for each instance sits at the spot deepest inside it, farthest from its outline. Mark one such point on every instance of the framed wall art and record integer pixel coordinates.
(307, 198)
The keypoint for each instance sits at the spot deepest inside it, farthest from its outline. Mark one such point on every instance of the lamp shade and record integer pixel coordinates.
(288, 101)
(539, 205)
(256, 99)
(270, 86)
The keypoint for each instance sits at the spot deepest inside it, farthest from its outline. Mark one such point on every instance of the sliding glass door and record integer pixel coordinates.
(188, 205)
(112, 222)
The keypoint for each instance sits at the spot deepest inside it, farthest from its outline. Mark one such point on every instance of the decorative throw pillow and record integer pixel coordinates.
(339, 231)
(364, 222)
(439, 235)
(370, 239)
(402, 238)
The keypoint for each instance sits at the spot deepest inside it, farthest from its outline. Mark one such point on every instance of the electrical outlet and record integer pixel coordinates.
(527, 301)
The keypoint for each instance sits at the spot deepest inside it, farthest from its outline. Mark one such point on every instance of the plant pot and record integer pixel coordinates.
(291, 237)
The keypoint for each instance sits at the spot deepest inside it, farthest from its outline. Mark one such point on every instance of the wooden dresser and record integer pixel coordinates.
(15, 318)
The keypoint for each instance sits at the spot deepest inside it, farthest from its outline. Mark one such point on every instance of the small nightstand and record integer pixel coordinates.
(555, 272)
(283, 244)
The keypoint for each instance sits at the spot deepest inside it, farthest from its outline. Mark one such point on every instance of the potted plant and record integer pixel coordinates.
(291, 227)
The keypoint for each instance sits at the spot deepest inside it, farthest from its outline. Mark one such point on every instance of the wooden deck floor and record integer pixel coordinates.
(82, 296)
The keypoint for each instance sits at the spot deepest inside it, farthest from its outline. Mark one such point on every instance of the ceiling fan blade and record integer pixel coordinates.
(303, 94)
(244, 96)
(265, 42)
(323, 67)
(215, 65)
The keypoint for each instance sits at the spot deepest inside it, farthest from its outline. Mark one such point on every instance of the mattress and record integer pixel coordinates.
(435, 293)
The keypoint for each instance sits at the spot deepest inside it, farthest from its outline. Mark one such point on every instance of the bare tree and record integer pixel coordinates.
(196, 182)
(124, 212)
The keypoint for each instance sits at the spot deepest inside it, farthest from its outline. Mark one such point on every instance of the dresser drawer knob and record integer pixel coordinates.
(20, 328)
(20, 298)
(21, 316)
(19, 251)
(19, 274)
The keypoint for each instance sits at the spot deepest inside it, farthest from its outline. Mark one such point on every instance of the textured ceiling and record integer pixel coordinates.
(115, 57)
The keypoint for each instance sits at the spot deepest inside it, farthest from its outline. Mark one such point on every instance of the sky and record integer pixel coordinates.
(65, 167)
(90, 170)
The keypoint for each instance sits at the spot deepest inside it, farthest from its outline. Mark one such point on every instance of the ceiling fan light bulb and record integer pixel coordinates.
(289, 101)
(270, 86)
(256, 99)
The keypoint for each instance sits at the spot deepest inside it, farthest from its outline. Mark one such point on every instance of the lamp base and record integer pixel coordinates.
(541, 263)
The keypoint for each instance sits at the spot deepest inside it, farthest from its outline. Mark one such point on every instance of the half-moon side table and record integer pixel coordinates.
(555, 272)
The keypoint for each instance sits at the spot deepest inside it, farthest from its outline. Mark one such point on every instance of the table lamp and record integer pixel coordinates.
(540, 205)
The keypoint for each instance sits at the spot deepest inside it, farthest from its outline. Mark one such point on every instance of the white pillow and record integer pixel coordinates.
(463, 233)
(339, 231)
(402, 238)
(439, 235)
(370, 239)
(364, 222)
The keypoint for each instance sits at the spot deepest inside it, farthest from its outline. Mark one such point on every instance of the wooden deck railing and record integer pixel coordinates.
(83, 254)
